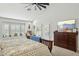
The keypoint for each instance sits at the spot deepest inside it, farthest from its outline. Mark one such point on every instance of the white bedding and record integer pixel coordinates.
(23, 47)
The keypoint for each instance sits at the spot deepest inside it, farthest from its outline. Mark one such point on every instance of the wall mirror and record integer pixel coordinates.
(68, 25)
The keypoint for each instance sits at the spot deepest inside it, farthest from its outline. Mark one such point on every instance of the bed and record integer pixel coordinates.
(22, 47)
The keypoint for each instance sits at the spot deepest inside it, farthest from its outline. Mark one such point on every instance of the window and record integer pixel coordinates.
(0, 30)
(5, 29)
(12, 29)
(17, 26)
(22, 27)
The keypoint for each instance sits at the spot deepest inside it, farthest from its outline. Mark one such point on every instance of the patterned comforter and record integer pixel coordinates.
(23, 48)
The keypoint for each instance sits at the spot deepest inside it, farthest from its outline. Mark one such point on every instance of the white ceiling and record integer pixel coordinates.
(12, 10)
(18, 11)
(56, 11)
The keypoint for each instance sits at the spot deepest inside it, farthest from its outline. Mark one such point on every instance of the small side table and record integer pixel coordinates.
(49, 43)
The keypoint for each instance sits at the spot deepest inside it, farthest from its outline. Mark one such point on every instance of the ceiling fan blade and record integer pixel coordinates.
(38, 6)
(42, 5)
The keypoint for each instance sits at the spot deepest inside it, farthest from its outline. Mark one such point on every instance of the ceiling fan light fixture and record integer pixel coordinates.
(36, 6)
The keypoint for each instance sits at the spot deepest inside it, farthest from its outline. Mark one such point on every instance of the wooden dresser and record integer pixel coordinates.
(66, 40)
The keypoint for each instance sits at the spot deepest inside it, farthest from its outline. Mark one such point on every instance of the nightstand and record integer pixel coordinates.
(49, 43)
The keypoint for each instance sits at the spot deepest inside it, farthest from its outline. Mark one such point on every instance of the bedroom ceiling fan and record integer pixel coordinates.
(36, 6)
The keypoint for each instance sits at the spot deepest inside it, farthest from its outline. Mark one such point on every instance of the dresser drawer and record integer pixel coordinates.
(63, 45)
(73, 48)
(72, 40)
